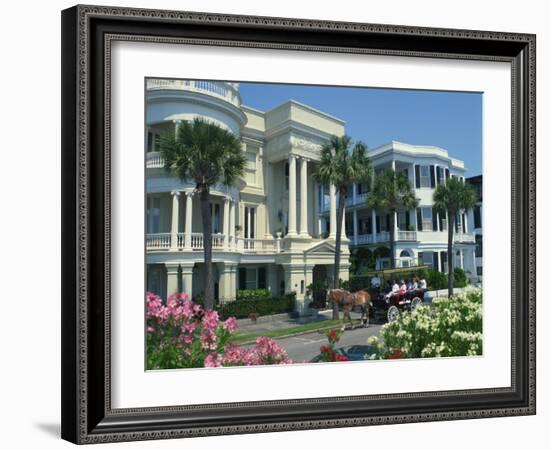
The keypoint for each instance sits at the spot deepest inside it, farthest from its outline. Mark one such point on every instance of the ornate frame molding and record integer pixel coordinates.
(88, 31)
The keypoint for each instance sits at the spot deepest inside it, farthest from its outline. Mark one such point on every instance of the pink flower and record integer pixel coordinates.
(231, 325)
(213, 360)
(210, 319)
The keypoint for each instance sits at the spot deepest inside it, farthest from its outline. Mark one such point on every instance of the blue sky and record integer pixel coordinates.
(451, 120)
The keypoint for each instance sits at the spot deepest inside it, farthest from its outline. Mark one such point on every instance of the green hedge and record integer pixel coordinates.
(253, 294)
(262, 307)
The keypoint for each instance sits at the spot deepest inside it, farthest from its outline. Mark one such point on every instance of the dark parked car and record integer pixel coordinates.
(392, 304)
(353, 352)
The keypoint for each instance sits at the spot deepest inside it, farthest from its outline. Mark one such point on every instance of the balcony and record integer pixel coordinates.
(154, 160)
(222, 90)
(464, 237)
(163, 242)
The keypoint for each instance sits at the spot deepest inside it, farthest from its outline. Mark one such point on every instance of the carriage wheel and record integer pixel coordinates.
(416, 302)
(393, 313)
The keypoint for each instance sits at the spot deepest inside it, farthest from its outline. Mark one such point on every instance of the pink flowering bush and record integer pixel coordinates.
(181, 334)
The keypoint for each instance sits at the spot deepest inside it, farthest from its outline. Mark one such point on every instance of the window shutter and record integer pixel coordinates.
(378, 224)
(420, 258)
(432, 176)
(417, 176)
(446, 174)
(440, 222)
(262, 284)
(443, 260)
(434, 220)
(387, 222)
(419, 218)
(407, 219)
(242, 278)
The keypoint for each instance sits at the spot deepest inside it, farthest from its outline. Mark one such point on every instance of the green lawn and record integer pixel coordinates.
(243, 338)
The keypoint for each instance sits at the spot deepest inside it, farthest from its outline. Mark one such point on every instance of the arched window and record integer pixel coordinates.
(405, 254)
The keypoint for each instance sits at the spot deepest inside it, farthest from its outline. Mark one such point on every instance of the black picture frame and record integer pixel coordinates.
(87, 416)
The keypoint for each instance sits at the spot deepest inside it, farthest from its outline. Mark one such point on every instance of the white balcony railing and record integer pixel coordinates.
(363, 239)
(226, 91)
(359, 199)
(163, 241)
(406, 235)
(158, 241)
(464, 237)
(154, 160)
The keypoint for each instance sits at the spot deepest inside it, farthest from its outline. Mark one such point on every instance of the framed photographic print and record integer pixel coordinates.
(281, 224)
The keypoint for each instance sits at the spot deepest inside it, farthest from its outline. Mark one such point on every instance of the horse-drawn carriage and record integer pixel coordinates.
(391, 304)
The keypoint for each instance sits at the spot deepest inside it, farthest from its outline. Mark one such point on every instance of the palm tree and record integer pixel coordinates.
(206, 154)
(392, 191)
(452, 197)
(342, 165)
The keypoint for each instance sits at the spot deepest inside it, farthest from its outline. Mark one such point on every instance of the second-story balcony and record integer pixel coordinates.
(154, 160)
(412, 236)
(195, 242)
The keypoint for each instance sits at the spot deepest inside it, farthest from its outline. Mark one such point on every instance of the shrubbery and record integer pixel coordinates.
(182, 334)
(447, 327)
(253, 294)
(262, 307)
(460, 278)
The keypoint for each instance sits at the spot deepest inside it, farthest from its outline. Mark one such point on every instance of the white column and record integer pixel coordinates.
(393, 165)
(354, 193)
(226, 222)
(171, 279)
(322, 197)
(177, 124)
(291, 195)
(233, 241)
(188, 218)
(435, 174)
(373, 225)
(174, 222)
(465, 222)
(303, 199)
(355, 226)
(332, 234)
(187, 279)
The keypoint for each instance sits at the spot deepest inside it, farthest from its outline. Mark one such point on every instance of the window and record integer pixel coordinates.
(479, 245)
(250, 171)
(479, 271)
(153, 215)
(402, 220)
(427, 218)
(153, 141)
(216, 217)
(425, 180)
(428, 258)
(477, 216)
(249, 222)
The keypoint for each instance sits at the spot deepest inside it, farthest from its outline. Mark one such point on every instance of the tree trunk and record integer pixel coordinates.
(207, 245)
(392, 239)
(338, 244)
(450, 253)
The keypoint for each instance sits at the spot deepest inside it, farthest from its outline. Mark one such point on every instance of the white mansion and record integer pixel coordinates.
(274, 229)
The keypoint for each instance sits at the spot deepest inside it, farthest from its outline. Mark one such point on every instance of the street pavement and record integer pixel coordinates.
(306, 346)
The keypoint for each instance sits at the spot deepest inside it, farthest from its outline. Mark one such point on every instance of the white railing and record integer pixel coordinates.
(162, 241)
(464, 237)
(248, 245)
(224, 90)
(158, 241)
(406, 235)
(359, 199)
(383, 236)
(154, 160)
(427, 225)
(364, 239)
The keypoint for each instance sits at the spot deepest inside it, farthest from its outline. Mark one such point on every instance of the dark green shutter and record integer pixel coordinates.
(407, 219)
(434, 220)
(432, 176)
(262, 283)
(242, 278)
(387, 222)
(378, 224)
(419, 218)
(417, 176)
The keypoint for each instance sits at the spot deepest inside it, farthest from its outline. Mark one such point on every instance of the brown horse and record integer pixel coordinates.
(348, 301)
